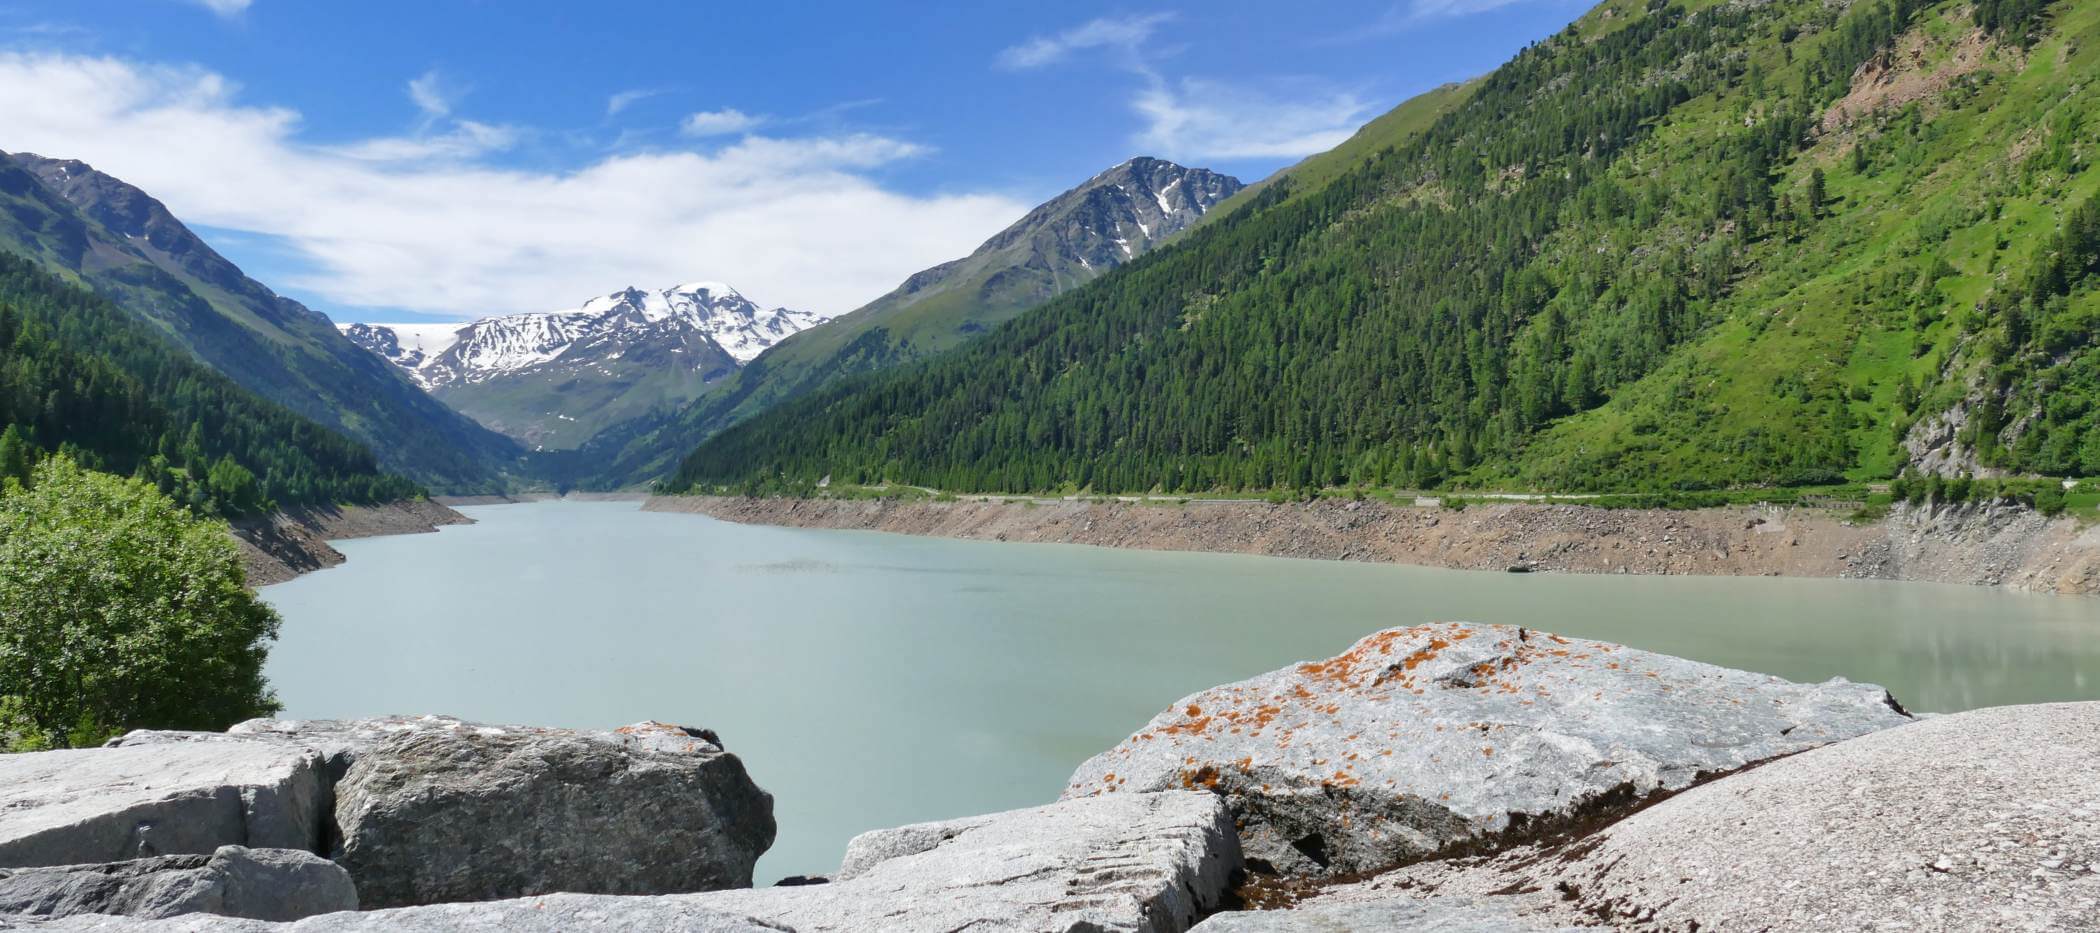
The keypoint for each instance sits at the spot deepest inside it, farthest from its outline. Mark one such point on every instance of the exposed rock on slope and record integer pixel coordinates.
(80, 806)
(434, 809)
(288, 543)
(1990, 545)
(1980, 821)
(261, 884)
(1417, 740)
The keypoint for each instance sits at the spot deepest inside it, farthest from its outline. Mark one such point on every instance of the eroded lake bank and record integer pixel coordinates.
(1993, 546)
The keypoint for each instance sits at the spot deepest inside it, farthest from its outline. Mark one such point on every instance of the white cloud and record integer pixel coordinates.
(628, 98)
(225, 7)
(1438, 9)
(1128, 33)
(1195, 119)
(1198, 119)
(384, 223)
(430, 95)
(719, 123)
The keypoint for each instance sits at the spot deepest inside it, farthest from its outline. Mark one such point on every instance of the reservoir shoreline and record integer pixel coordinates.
(291, 542)
(2004, 546)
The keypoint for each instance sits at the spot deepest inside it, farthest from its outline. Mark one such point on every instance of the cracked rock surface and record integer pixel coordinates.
(1421, 739)
(86, 805)
(430, 809)
(1979, 821)
(1150, 863)
(264, 884)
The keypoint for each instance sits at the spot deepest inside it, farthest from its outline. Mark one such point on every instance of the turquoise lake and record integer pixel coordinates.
(869, 680)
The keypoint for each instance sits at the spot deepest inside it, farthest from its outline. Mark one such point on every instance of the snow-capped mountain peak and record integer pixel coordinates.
(713, 315)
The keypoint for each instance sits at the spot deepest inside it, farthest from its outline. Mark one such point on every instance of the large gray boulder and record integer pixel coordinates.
(1128, 863)
(429, 809)
(1985, 820)
(472, 813)
(81, 806)
(263, 884)
(1419, 740)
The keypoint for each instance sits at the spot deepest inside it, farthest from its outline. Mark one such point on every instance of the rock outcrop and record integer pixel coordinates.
(1436, 915)
(1154, 863)
(432, 809)
(82, 806)
(1418, 741)
(262, 884)
(1980, 821)
(1131, 863)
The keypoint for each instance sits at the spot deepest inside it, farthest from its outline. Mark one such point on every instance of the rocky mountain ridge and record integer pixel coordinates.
(552, 378)
(1119, 214)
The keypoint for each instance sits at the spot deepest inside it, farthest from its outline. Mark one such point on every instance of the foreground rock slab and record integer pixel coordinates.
(1439, 915)
(1419, 740)
(263, 884)
(1144, 863)
(82, 806)
(430, 809)
(1131, 863)
(1985, 820)
(554, 913)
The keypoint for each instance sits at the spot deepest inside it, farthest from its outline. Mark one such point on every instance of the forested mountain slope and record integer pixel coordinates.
(79, 375)
(1111, 218)
(1671, 247)
(98, 231)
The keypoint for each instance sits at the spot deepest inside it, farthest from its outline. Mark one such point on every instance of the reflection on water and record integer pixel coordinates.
(869, 680)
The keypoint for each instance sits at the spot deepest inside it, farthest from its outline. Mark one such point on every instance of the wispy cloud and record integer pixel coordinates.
(628, 98)
(225, 7)
(1195, 118)
(429, 92)
(1128, 32)
(425, 224)
(719, 123)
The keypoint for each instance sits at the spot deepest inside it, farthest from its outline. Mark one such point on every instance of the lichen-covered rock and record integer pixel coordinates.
(1987, 820)
(1435, 915)
(1419, 739)
(263, 884)
(82, 806)
(1130, 863)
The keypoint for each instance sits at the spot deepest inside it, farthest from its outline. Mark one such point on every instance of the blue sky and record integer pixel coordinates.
(445, 160)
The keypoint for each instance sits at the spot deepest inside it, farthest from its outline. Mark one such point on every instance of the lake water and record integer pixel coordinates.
(870, 680)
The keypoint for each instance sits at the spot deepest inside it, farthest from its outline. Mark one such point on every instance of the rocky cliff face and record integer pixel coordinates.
(553, 379)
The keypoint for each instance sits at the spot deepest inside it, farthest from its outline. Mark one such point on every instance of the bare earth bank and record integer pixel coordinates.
(292, 542)
(1969, 544)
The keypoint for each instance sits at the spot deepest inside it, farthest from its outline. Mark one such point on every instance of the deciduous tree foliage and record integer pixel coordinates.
(120, 610)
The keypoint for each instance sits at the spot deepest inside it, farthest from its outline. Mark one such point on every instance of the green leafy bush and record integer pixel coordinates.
(120, 610)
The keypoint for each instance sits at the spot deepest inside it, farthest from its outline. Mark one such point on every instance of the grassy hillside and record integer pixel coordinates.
(1672, 247)
(94, 230)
